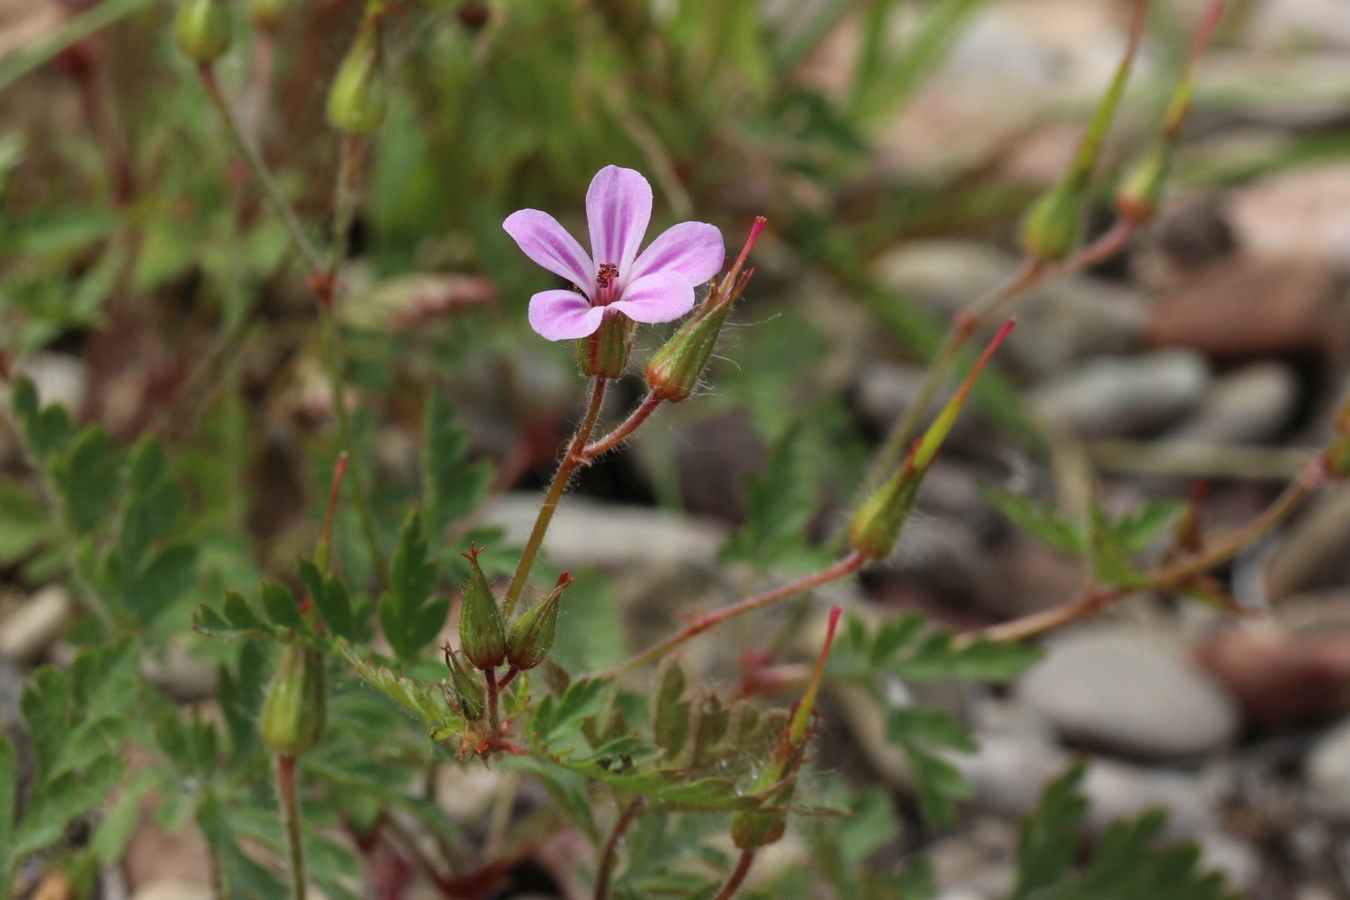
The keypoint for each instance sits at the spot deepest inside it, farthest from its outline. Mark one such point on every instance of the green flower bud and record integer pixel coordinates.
(265, 14)
(359, 97)
(1141, 190)
(203, 29)
(673, 371)
(293, 712)
(465, 691)
(876, 525)
(532, 636)
(1050, 230)
(482, 637)
(753, 830)
(605, 353)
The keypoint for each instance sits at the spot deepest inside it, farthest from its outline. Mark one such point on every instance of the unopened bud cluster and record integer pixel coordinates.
(486, 644)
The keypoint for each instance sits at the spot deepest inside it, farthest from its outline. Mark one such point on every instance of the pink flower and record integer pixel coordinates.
(656, 286)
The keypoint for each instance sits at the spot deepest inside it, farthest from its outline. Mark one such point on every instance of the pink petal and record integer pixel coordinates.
(658, 297)
(694, 249)
(548, 244)
(560, 315)
(618, 208)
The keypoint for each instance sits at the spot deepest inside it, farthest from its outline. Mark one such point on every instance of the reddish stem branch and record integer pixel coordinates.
(1169, 577)
(606, 870)
(737, 875)
(621, 433)
(846, 566)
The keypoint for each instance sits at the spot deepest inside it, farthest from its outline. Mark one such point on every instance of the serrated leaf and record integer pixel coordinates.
(64, 798)
(279, 605)
(670, 711)
(24, 524)
(892, 636)
(452, 488)
(425, 701)
(409, 615)
(168, 576)
(1048, 843)
(928, 726)
(240, 615)
(47, 429)
(90, 481)
(939, 784)
(1137, 530)
(9, 809)
(46, 709)
(331, 598)
(779, 505)
(1045, 523)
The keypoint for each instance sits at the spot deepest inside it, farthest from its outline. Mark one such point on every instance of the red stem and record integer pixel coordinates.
(737, 876)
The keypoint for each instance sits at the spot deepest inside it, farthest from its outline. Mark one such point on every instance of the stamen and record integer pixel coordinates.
(608, 272)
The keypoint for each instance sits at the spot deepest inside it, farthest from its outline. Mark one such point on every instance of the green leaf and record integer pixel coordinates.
(409, 615)
(779, 505)
(24, 524)
(64, 798)
(240, 615)
(422, 700)
(554, 718)
(9, 809)
(90, 480)
(1048, 843)
(670, 711)
(1045, 523)
(1136, 531)
(279, 606)
(939, 784)
(47, 429)
(929, 726)
(332, 599)
(168, 576)
(452, 488)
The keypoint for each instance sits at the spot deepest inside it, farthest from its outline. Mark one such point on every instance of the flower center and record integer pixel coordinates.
(607, 284)
(607, 274)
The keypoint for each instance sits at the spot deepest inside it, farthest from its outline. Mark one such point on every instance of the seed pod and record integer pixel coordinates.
(532, 636)
(482, 637)
(1050, 230)
(359, 98)
(465, 691)
(604, 354)
(293, 712)
(203, 29)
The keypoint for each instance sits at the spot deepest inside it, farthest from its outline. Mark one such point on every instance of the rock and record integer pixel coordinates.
(1246, 308)
(1058, 322)
(1298, 214)
(1236, 860)
(1124, 396)
(1314, 551)
(1327, 772)
(1251, 405)
(1032, 576)
(1300, 25)
(1127, 690)
(587, 533)
(27, 632)
(1279, 679)
(169, 889)
(945, 558)
(712, 455)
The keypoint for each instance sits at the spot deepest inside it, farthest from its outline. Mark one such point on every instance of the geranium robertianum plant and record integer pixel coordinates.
(302, 774)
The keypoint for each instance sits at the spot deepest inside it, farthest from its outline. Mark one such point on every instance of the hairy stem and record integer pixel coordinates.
(289, 797)
(844, 567)
(621, 433)
(493, 699)
(573, 458)
(607, 858)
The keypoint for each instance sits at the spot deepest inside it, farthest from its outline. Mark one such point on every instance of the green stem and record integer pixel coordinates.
(333, 354)
(207, 73)
(844, 567)
(573, 458)
(289, 798)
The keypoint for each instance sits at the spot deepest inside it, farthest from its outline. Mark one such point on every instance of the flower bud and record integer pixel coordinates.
(673, 371)
(482, 638)
(532, 636)
(605, 353)
(1140, 191)
(293, 711)
(203, 29)
(465, 692)
(1050, 230)
(876, 525)
(265, 15)
(359, 97)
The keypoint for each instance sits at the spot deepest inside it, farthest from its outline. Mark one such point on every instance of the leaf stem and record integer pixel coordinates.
(493, 697)
(570, 461)
(606, 870)
(737, 875)
(289, 798)
(844, 567)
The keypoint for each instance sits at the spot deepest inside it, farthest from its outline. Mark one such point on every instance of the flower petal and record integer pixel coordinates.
(658, 297)
(618, 208)
(548, 244)
(560, 315)
(694, 249)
